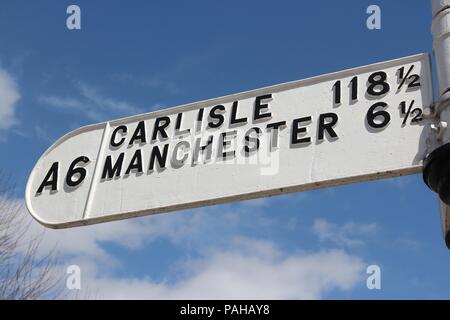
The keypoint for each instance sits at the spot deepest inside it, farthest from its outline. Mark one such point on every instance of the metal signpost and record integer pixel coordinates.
(436, 170)
(365, 123)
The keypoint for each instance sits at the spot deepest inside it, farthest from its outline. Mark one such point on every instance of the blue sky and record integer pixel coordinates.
(146, 55)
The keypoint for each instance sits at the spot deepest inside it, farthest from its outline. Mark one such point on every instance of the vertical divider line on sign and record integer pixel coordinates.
(96, 173)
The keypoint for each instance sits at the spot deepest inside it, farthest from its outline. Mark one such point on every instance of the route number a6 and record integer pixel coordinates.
(74, 176)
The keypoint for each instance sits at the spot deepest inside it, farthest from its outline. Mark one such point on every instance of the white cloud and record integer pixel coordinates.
(42, 134)
(91, 104)
(186, 228)
(350, 234)
(243, 274)
(132, 234)
(63, 103)
(9, 95)
(168, 79)
(72, 105)
(106, 103)
(239, 267)
(154, 82)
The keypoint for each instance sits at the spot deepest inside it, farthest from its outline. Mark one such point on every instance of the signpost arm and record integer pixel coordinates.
(436, 171)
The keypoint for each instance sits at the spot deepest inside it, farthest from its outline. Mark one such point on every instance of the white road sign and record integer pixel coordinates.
(354, 125)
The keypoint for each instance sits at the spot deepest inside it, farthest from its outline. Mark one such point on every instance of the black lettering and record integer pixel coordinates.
(296, 130)
(178, 131)
(226, 143)
(79, 173)
(198, 148)
(139, 133)
(51, 178)
(215, 114)
(276, 125)
(109, 171)
(199, 120)
(249, 140)
(233, 119)
(259, 106)
(184, 147)
(273, 129)
(157, 155)
(135, 163)
(327, 126)
(161, 128)
(113, 136)
(200, 115)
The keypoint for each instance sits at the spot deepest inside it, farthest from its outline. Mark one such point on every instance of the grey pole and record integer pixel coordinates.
(436, 171)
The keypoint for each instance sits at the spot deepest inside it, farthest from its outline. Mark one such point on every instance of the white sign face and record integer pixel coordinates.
(355, 125)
